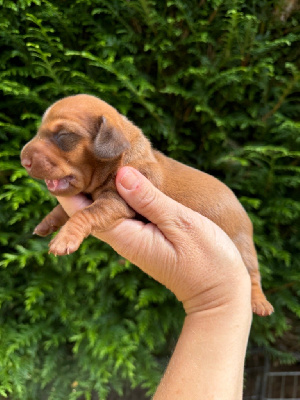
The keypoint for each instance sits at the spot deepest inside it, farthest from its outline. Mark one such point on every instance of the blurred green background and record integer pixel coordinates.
(214, 84)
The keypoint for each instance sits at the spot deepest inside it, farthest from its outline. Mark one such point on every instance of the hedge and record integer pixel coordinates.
(214, 84)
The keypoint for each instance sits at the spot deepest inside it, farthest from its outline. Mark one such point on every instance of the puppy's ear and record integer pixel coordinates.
(109, 141)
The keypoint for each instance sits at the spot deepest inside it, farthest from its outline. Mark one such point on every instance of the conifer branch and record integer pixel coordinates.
(281, 99)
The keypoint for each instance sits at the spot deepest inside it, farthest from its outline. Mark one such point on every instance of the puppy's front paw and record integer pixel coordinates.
(44, 228)
(64, 243)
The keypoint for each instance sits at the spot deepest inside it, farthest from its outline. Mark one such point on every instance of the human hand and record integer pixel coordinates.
(180, 248)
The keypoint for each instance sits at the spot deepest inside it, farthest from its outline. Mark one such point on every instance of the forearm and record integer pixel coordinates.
(208, 361)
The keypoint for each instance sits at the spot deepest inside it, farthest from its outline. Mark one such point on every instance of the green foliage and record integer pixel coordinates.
(214, 84)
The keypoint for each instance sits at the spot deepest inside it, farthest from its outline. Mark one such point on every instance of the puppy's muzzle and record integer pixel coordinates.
(37, 164)
(26, 163)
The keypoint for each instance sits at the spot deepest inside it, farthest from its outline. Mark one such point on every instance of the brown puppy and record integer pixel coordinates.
(81, 144)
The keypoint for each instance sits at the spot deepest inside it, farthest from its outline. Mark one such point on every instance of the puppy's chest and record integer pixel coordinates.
(101, 183)
(106, 190)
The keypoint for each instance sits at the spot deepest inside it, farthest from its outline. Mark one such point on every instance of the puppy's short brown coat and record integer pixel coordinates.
(80, 145)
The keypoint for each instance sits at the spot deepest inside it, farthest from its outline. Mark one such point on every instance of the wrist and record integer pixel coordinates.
(223, 296)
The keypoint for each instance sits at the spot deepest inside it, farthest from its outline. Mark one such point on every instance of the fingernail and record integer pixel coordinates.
(129, 180)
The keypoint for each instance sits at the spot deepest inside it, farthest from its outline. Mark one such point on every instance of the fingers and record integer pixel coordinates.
(142, 244)
(73, 203)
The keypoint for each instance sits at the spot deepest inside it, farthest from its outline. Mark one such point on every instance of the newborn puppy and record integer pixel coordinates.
(79, 147)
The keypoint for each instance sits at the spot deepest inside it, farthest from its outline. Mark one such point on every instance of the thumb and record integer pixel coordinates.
(140, 194)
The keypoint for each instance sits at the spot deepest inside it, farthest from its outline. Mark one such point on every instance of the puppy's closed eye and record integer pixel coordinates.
(66, 141)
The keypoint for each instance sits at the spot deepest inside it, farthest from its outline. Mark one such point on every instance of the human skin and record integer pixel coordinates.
(199, 263)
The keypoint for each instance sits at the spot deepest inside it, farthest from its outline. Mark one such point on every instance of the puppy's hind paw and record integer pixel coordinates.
(262, 307)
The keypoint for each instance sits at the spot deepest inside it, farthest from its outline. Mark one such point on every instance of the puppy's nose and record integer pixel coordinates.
(26, 162)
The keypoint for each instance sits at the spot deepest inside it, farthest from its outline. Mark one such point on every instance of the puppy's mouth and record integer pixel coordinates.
(59, 185)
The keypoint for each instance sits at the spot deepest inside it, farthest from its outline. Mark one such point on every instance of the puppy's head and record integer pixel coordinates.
(77, 134)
